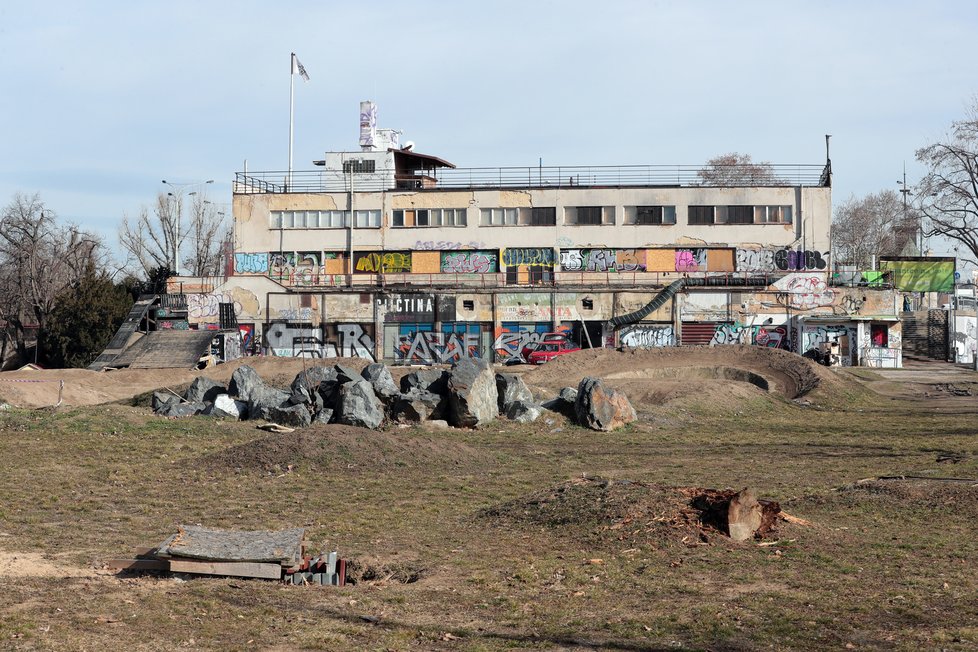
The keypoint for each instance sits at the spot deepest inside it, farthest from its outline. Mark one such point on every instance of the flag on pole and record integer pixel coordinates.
(298, 68)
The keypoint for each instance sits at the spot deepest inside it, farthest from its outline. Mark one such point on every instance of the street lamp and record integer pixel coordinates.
(179, 189)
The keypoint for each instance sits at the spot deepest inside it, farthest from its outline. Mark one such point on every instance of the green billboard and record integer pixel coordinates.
(920, 274)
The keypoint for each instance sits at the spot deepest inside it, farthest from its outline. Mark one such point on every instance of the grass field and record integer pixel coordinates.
(464, 554)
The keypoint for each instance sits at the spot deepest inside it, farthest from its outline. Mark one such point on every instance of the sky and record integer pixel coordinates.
(104, 100)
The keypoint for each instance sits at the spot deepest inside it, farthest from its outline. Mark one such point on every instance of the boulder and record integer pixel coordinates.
(324, 415)
(329, 393)
(227, 407)
(472, 396)
(523, 412)
(294, 416)
(379, 377)
(433, 380)
(601, 408)
(203, 390)
(359, 406)
(308, 380)
(244, 381)
(162, 399)
(182, 409)
(417, 405)
(568, 395)
(511, 388)
(247, 385)
(345, 374)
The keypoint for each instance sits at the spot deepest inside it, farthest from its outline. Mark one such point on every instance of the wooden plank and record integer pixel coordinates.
(232, 568)
(138, 564)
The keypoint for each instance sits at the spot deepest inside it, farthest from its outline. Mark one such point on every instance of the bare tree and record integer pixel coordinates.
(866, 228)
(948, 194)
(163, 239)
(39, 259)
(730, 170)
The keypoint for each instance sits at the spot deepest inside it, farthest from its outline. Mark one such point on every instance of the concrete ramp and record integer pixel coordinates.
(122, 336)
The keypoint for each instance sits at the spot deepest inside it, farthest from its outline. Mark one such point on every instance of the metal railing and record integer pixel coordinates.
(312, 181)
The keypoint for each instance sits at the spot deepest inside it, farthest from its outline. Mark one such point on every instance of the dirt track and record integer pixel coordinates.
(656, 374)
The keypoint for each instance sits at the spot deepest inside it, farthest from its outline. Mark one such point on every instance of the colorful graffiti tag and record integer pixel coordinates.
(386, 262)
(772, 337)
(251, 263)
(336, 340)
(513, 337)
(602, 260)
(469, 262)
(691, 260)
(434, 347)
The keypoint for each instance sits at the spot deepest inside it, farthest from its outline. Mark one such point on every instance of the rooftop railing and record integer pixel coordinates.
(681, 176)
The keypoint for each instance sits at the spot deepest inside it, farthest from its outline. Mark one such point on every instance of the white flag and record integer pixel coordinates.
(298, 68)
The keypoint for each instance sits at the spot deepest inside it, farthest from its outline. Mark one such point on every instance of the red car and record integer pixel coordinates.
(547, 351)
(546, 338)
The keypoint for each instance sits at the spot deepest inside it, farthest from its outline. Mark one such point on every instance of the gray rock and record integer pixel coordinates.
(248, 386)
(601, 408)
(380, 378)
(203, 390)
(472, 396)
(182, 409)
(359, 406)
(511, 388)
(433, 380)
(308, 380)
(244, 381)
(345, 374)
(568, 394)
(329, 393)
(295, 416)
(417, 405)
(324, 415)
(300, 396)
(162, 399)
(523, 412)
(437, 424)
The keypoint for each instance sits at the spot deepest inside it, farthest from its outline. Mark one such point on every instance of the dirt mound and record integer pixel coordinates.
(620, 511)
(335, 446)
(786, 373)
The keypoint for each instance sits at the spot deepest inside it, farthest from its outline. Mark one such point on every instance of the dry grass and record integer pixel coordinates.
(885, 565)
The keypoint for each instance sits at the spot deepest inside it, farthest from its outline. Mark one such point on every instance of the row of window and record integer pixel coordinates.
(533, 216)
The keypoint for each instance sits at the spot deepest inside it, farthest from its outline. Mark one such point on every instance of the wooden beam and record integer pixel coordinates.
(232, 568)
(138, 564)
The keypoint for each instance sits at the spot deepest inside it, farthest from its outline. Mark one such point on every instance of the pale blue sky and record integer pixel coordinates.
(102, 100)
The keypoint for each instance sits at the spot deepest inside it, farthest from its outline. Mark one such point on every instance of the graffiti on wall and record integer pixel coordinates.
(806, 292)
(469, 262)
(407, 307)
(526, 257)
(248, 263)
(513, 337)
(780, 260)
(433, 347)
(772, 337)
(648, 336)
(691, 260)
(336, 340)
(813, 336)
(443, 245)
(602, 260)
(385, 262)
(247, 333)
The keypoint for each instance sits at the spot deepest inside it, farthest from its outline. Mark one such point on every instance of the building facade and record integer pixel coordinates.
(394, 255)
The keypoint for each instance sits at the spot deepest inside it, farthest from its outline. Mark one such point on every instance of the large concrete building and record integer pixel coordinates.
(387, 253)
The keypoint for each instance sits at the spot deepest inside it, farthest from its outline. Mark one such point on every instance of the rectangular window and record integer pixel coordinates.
(700, 215)
(367, 219)
(542, 216)
(499, 216)
(397, 219)
(360, 166)
(650, 215)
(740, 214)
(421, 217)
(587, 215)
(772, 214)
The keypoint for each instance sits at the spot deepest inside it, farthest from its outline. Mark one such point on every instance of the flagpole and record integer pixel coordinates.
(291, 115)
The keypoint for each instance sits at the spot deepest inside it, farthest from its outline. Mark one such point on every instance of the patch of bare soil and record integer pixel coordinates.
(959, 498)
(623, 512)
(786, 373)
(32, 564)
(336, 446)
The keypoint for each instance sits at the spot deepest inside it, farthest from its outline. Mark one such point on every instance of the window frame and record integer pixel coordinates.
(712, 216)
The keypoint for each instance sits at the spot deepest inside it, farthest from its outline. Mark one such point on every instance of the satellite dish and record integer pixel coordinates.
(409, 145)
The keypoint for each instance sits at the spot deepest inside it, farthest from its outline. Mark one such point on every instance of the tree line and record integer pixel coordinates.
(62, 293)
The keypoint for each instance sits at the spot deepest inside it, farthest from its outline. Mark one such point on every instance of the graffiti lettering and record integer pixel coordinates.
(601, 260)
(521, 257)
(690, 260)
(429, 347)
(443, 245)
(755, 260)
(788, 259)
(648, 336)
(851, 304)
(250, 263)
(808, 292)
(475, 262)
(390, 262)
(349, 341)
(772, 337)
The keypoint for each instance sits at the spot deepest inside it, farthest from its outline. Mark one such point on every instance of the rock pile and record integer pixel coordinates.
(468, 395)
